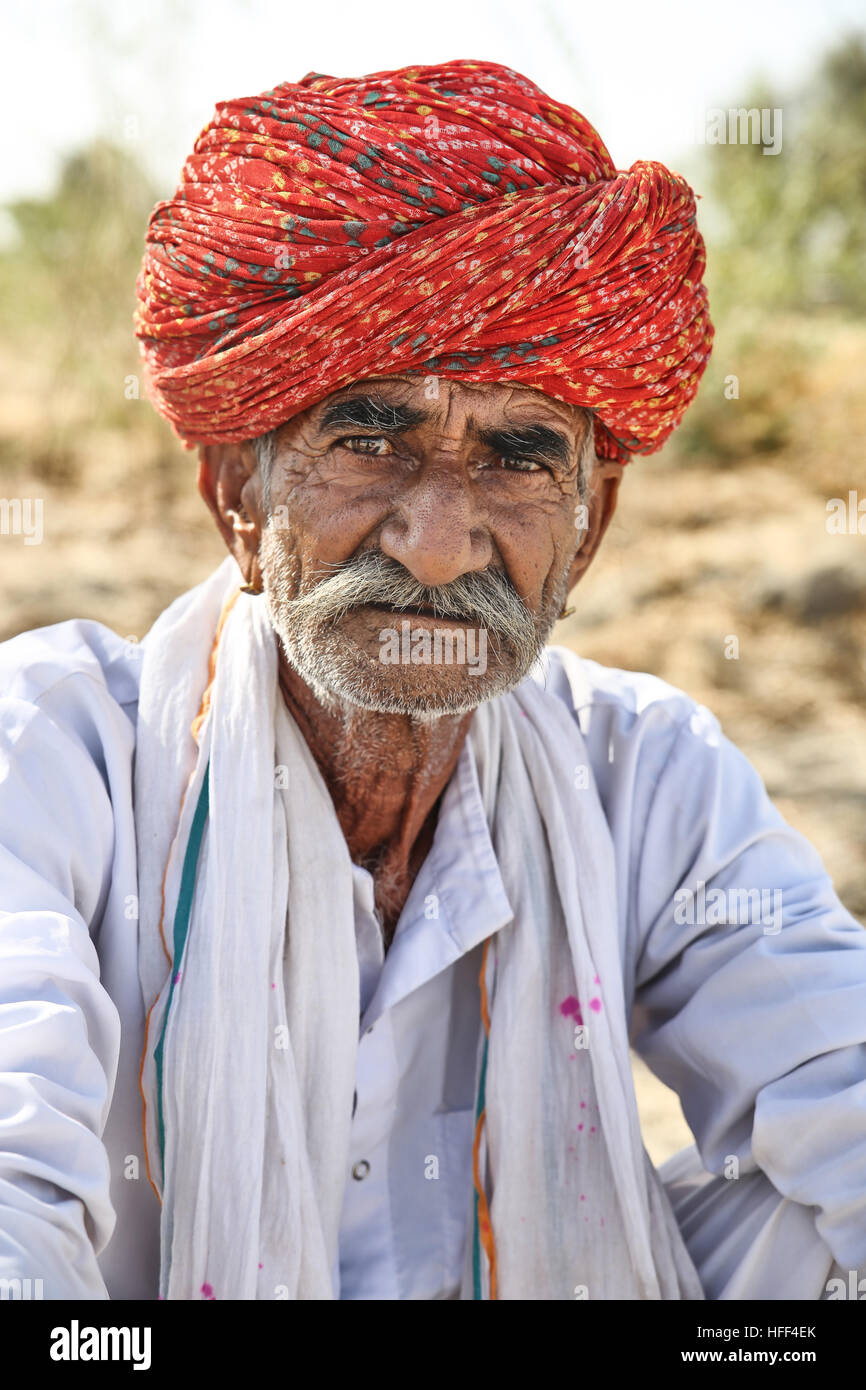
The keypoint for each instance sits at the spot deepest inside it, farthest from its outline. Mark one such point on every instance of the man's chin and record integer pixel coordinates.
(340, 673)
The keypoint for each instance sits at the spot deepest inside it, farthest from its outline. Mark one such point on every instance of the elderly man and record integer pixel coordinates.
(330, 910)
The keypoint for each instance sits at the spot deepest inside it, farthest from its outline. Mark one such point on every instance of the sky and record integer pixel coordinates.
(643, 71)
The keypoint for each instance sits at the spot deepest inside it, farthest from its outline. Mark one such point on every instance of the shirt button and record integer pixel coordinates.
(360, 1170)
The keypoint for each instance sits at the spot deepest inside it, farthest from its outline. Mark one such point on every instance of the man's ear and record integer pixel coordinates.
(229, 482)
(600, 507)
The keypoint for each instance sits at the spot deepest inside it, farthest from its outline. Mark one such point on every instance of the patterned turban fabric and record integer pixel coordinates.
(449, 220)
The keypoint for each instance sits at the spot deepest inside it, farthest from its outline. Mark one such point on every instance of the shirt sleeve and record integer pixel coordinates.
(750, 986)
(59, 1030)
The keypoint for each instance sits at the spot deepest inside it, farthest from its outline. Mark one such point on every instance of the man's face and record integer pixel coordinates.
(402, 506)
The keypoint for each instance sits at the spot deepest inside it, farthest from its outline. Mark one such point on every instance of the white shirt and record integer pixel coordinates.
(761, 1031)
(406, 1208)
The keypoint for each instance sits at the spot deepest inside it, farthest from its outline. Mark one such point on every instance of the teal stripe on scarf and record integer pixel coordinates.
(476, 1236)
(181, 928)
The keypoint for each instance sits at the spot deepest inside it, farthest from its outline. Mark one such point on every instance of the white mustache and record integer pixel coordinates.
(485, 598)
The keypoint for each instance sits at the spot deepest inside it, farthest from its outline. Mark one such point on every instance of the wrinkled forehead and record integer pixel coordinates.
(425, 398)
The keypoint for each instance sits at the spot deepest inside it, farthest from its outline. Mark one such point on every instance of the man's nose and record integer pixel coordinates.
(435, 530)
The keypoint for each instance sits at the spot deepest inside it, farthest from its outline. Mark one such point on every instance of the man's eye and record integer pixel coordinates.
(358, 443)
(521, 465)
(514, 463)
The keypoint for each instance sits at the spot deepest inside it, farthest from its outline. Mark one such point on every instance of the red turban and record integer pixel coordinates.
(451, 220)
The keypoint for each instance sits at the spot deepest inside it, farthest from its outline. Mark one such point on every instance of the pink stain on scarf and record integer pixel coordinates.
(207, 1291)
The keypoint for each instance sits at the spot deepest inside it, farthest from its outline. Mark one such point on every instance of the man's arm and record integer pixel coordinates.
(751, 987)
(59, 1030)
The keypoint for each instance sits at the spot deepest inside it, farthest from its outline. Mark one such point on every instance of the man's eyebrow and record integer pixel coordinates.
(373, 413)
(527, 440)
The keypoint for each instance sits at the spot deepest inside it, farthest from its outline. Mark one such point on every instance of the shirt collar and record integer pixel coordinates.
(457, 900)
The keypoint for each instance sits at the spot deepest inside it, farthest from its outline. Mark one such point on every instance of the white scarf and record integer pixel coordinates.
(249, 1092)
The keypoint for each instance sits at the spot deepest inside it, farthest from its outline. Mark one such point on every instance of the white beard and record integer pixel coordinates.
(340, 674)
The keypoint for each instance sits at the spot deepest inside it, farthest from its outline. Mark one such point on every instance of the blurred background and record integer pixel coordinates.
(735, 568)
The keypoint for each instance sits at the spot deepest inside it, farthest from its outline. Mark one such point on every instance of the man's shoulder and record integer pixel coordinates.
(81, 652)
(619, 699)
(637, 729)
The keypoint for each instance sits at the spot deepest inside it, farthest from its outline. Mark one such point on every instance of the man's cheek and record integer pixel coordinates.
(281, 559)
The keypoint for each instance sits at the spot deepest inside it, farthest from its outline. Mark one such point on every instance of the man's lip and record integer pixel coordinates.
(422, 614)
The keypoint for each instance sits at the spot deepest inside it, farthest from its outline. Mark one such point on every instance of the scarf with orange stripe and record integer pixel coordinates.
(249, 972)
